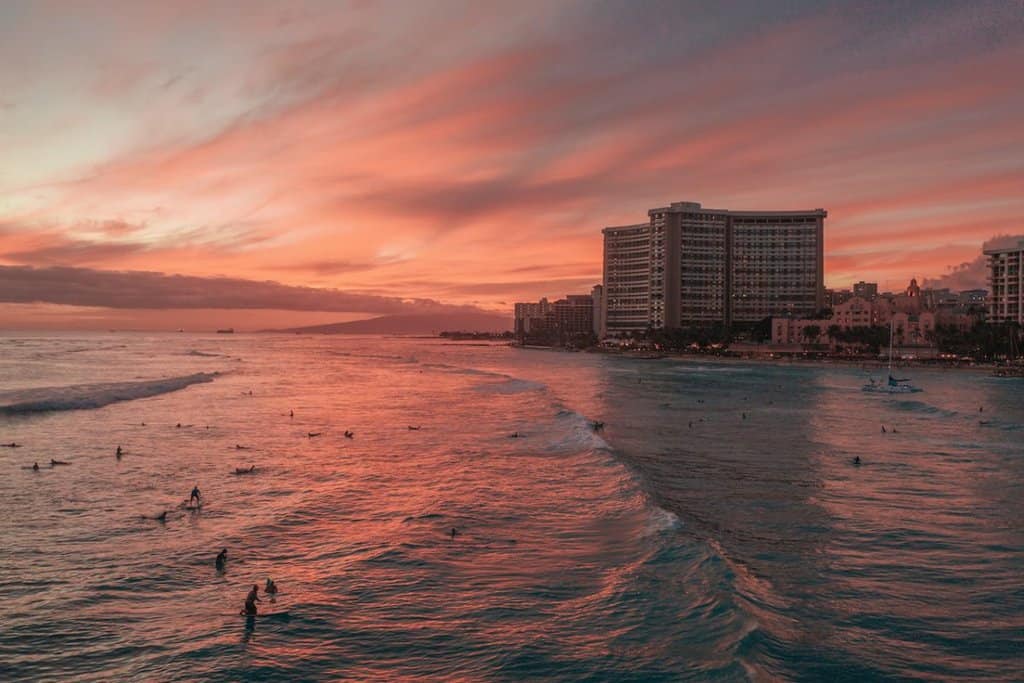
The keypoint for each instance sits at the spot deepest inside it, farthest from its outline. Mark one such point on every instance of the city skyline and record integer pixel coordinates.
(467, 155)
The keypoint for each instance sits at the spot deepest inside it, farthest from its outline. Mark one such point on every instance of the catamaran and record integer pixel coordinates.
(894, 385)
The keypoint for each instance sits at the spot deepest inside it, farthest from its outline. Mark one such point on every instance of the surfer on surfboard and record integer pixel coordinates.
(195, 495)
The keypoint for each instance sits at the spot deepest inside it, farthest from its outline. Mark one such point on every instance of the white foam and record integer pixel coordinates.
(84, 396)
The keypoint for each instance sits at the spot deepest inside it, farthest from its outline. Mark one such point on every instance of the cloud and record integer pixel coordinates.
(972, 274)
(151, 290)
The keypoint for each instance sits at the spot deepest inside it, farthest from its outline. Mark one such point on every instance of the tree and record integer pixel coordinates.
(812, 332)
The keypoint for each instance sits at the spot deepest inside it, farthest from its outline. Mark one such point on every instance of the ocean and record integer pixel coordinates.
(716, 528)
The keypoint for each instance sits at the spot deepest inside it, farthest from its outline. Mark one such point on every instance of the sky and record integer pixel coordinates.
(335, 160)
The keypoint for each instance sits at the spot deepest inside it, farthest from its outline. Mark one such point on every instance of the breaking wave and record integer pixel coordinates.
(86, 396)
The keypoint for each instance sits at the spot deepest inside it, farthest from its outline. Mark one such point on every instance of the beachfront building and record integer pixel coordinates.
(529, 317)
(1006, 283)
(694, 266)
(627, 273)
(566, 321)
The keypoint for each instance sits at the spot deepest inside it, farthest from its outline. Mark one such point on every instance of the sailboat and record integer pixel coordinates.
(894, 385)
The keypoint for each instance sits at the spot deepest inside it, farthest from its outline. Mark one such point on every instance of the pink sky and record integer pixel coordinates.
(470, 153)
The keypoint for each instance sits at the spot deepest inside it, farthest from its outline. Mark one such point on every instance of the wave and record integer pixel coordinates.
(509, 385)
(86, 396)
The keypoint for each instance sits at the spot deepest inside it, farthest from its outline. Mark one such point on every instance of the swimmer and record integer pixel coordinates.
(35, 467)
(250, 601)
(177, 426)
(222, 559)
(270, 588)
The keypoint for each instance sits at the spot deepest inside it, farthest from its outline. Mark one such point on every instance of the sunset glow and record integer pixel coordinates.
(470, 153)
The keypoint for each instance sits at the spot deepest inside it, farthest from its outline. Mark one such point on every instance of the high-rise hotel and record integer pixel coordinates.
(1006, 283)
(694, 266)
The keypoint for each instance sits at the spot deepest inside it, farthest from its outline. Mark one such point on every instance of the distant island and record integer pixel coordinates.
(429, 324)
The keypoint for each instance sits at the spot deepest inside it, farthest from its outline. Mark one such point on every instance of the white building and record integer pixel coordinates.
(1006, 283)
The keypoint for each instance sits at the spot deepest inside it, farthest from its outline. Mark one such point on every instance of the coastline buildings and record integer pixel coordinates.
(627, 274)
(1006, 283)
(563, 322)
(694, 266)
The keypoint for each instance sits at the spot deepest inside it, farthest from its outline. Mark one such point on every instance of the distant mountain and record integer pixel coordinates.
(413, 324)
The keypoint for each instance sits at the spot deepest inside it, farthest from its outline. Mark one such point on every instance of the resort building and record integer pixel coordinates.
(627, 272)
(1006, 283)
(692, 266)
(529, 316)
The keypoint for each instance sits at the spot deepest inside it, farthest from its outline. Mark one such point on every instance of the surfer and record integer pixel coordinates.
(245, 470)
(312, 434)
(12, 445)
(744, 416)
(250, 601)
(222, 559)
(454, 532)
(58, 462)
(118, 452)
(270, 588)
(349, 435)
(856, 460)
(883, 429)
(597, 425)
(195, 495)
(35, 467)
(514, 435)
(177, 426)
(291, 413)
(414, 429)
(239, 447)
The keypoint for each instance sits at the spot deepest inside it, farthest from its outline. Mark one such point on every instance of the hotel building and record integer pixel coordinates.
(1006, 283)
(695, 266)
(627, 274)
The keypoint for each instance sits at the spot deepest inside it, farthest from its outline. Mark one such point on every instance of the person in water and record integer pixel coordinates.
(270, 588)
(251, 600)
(35, 467)
(195, 495)
(856, 460)
(118, 452)
(454, 532)
(222, 559)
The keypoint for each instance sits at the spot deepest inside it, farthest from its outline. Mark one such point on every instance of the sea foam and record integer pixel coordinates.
(85, 396)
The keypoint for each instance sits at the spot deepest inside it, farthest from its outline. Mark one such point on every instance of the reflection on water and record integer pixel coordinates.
(716, 528)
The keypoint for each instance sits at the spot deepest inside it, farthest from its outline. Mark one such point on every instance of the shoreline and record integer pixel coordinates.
(864, 364)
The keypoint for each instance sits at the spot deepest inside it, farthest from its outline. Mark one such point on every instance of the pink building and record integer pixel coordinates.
(911, 330)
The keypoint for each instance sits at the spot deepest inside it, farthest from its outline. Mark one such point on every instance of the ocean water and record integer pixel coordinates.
(715, 529)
